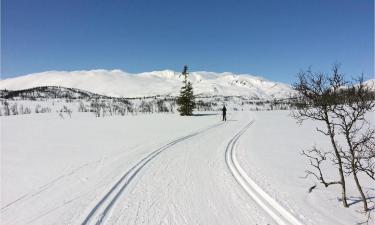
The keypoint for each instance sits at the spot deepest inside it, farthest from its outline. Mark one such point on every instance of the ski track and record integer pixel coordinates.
(101, 210)
(279, 214)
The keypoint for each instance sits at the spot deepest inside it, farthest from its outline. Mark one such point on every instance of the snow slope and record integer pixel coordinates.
(163, 169)
(121, 84)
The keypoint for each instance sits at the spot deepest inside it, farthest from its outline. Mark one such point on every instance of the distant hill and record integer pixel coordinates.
(48, 92)
(117, 83)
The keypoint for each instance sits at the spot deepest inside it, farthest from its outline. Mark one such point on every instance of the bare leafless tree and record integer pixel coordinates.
(353, 103)
(316, 102)
(316, 159)
(343, 107)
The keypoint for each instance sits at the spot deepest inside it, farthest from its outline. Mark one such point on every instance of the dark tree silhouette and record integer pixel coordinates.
(186, 100)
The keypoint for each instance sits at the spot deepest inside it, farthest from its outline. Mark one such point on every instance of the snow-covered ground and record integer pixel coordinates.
(270, 154)
(163, 169)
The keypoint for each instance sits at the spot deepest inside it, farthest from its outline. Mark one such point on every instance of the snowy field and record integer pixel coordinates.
(164, 169)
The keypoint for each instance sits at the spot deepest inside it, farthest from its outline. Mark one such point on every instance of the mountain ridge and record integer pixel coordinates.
(117, 83)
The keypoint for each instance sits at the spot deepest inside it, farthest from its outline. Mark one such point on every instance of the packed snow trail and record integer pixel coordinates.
(268, 204)
(101, 209)
(189, 184)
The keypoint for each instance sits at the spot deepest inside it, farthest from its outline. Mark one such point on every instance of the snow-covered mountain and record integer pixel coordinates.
(118, 83)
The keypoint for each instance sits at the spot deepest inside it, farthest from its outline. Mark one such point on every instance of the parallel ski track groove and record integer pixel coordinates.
(101, 209)
(279, 214)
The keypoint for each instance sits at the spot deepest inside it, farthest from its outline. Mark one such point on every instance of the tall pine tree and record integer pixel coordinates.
(186, 100)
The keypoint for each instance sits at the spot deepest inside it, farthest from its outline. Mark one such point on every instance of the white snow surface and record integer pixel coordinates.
(164, 169)
(118, 83)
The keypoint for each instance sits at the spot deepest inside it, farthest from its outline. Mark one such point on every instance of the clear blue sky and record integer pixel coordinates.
(271, 38)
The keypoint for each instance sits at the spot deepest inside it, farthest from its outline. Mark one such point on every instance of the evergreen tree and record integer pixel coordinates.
(186, 100)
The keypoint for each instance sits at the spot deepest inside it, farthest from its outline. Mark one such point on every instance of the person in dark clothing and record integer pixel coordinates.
(224, 113)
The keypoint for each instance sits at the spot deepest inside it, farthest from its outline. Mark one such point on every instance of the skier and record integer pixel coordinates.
(224, 113)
